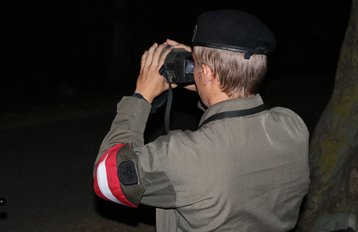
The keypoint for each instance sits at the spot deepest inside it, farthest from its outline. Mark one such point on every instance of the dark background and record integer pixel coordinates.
(62, 53)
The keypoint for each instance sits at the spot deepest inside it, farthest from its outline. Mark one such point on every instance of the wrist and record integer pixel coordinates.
(140, 96)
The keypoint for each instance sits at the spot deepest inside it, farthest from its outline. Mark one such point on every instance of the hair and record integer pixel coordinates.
(238, 77)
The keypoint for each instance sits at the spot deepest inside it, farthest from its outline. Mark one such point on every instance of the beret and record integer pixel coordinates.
(233, 30)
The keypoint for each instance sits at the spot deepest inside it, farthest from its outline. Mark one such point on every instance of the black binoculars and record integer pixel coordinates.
(178, 67)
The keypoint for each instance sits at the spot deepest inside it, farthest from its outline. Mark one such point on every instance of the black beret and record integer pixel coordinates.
(233, 30)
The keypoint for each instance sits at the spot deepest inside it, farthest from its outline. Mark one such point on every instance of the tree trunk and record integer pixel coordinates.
(332, 202)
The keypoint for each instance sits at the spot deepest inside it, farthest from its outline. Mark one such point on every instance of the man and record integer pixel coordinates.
(244, 169)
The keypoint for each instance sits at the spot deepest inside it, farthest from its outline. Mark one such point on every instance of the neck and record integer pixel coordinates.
(221, 96)
(218, 98)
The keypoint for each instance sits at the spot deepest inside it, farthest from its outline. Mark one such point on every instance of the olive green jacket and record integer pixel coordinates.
(245, 173)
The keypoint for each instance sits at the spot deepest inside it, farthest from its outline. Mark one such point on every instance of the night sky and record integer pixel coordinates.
(61, 52)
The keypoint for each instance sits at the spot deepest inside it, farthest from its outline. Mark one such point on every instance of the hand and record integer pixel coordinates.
(191, 87)
(175, 44)
(150, 83)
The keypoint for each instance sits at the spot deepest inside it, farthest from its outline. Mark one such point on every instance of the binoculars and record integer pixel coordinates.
(178, 67)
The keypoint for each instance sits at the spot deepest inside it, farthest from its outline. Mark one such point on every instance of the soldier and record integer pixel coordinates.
(244, 169)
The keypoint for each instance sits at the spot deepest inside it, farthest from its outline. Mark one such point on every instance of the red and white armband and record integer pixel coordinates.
(116, 176)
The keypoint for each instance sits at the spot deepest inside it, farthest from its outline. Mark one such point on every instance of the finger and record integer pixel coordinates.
(175, 44)
(158, 53)
(165, 48)
(142, 61)
(164, 55)
(191, 87)
(149, 58)
(173, 85)
(171, 42)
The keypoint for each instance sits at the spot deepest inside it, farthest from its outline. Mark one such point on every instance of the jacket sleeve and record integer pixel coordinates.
(127, 171)
(128, 125)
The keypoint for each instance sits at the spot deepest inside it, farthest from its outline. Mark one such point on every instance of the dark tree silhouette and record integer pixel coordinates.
(332, 202)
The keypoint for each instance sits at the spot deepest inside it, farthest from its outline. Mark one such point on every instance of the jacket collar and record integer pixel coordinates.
(232, 104)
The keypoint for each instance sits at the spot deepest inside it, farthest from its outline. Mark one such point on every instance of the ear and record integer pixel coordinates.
(209, 74)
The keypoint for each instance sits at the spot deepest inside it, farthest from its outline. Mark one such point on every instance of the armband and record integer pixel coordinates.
(116, 176)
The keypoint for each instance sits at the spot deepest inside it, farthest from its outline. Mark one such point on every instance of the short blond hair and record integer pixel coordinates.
(237, 75)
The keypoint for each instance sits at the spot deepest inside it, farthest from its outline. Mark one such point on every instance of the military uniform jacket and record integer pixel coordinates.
(246, 173)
